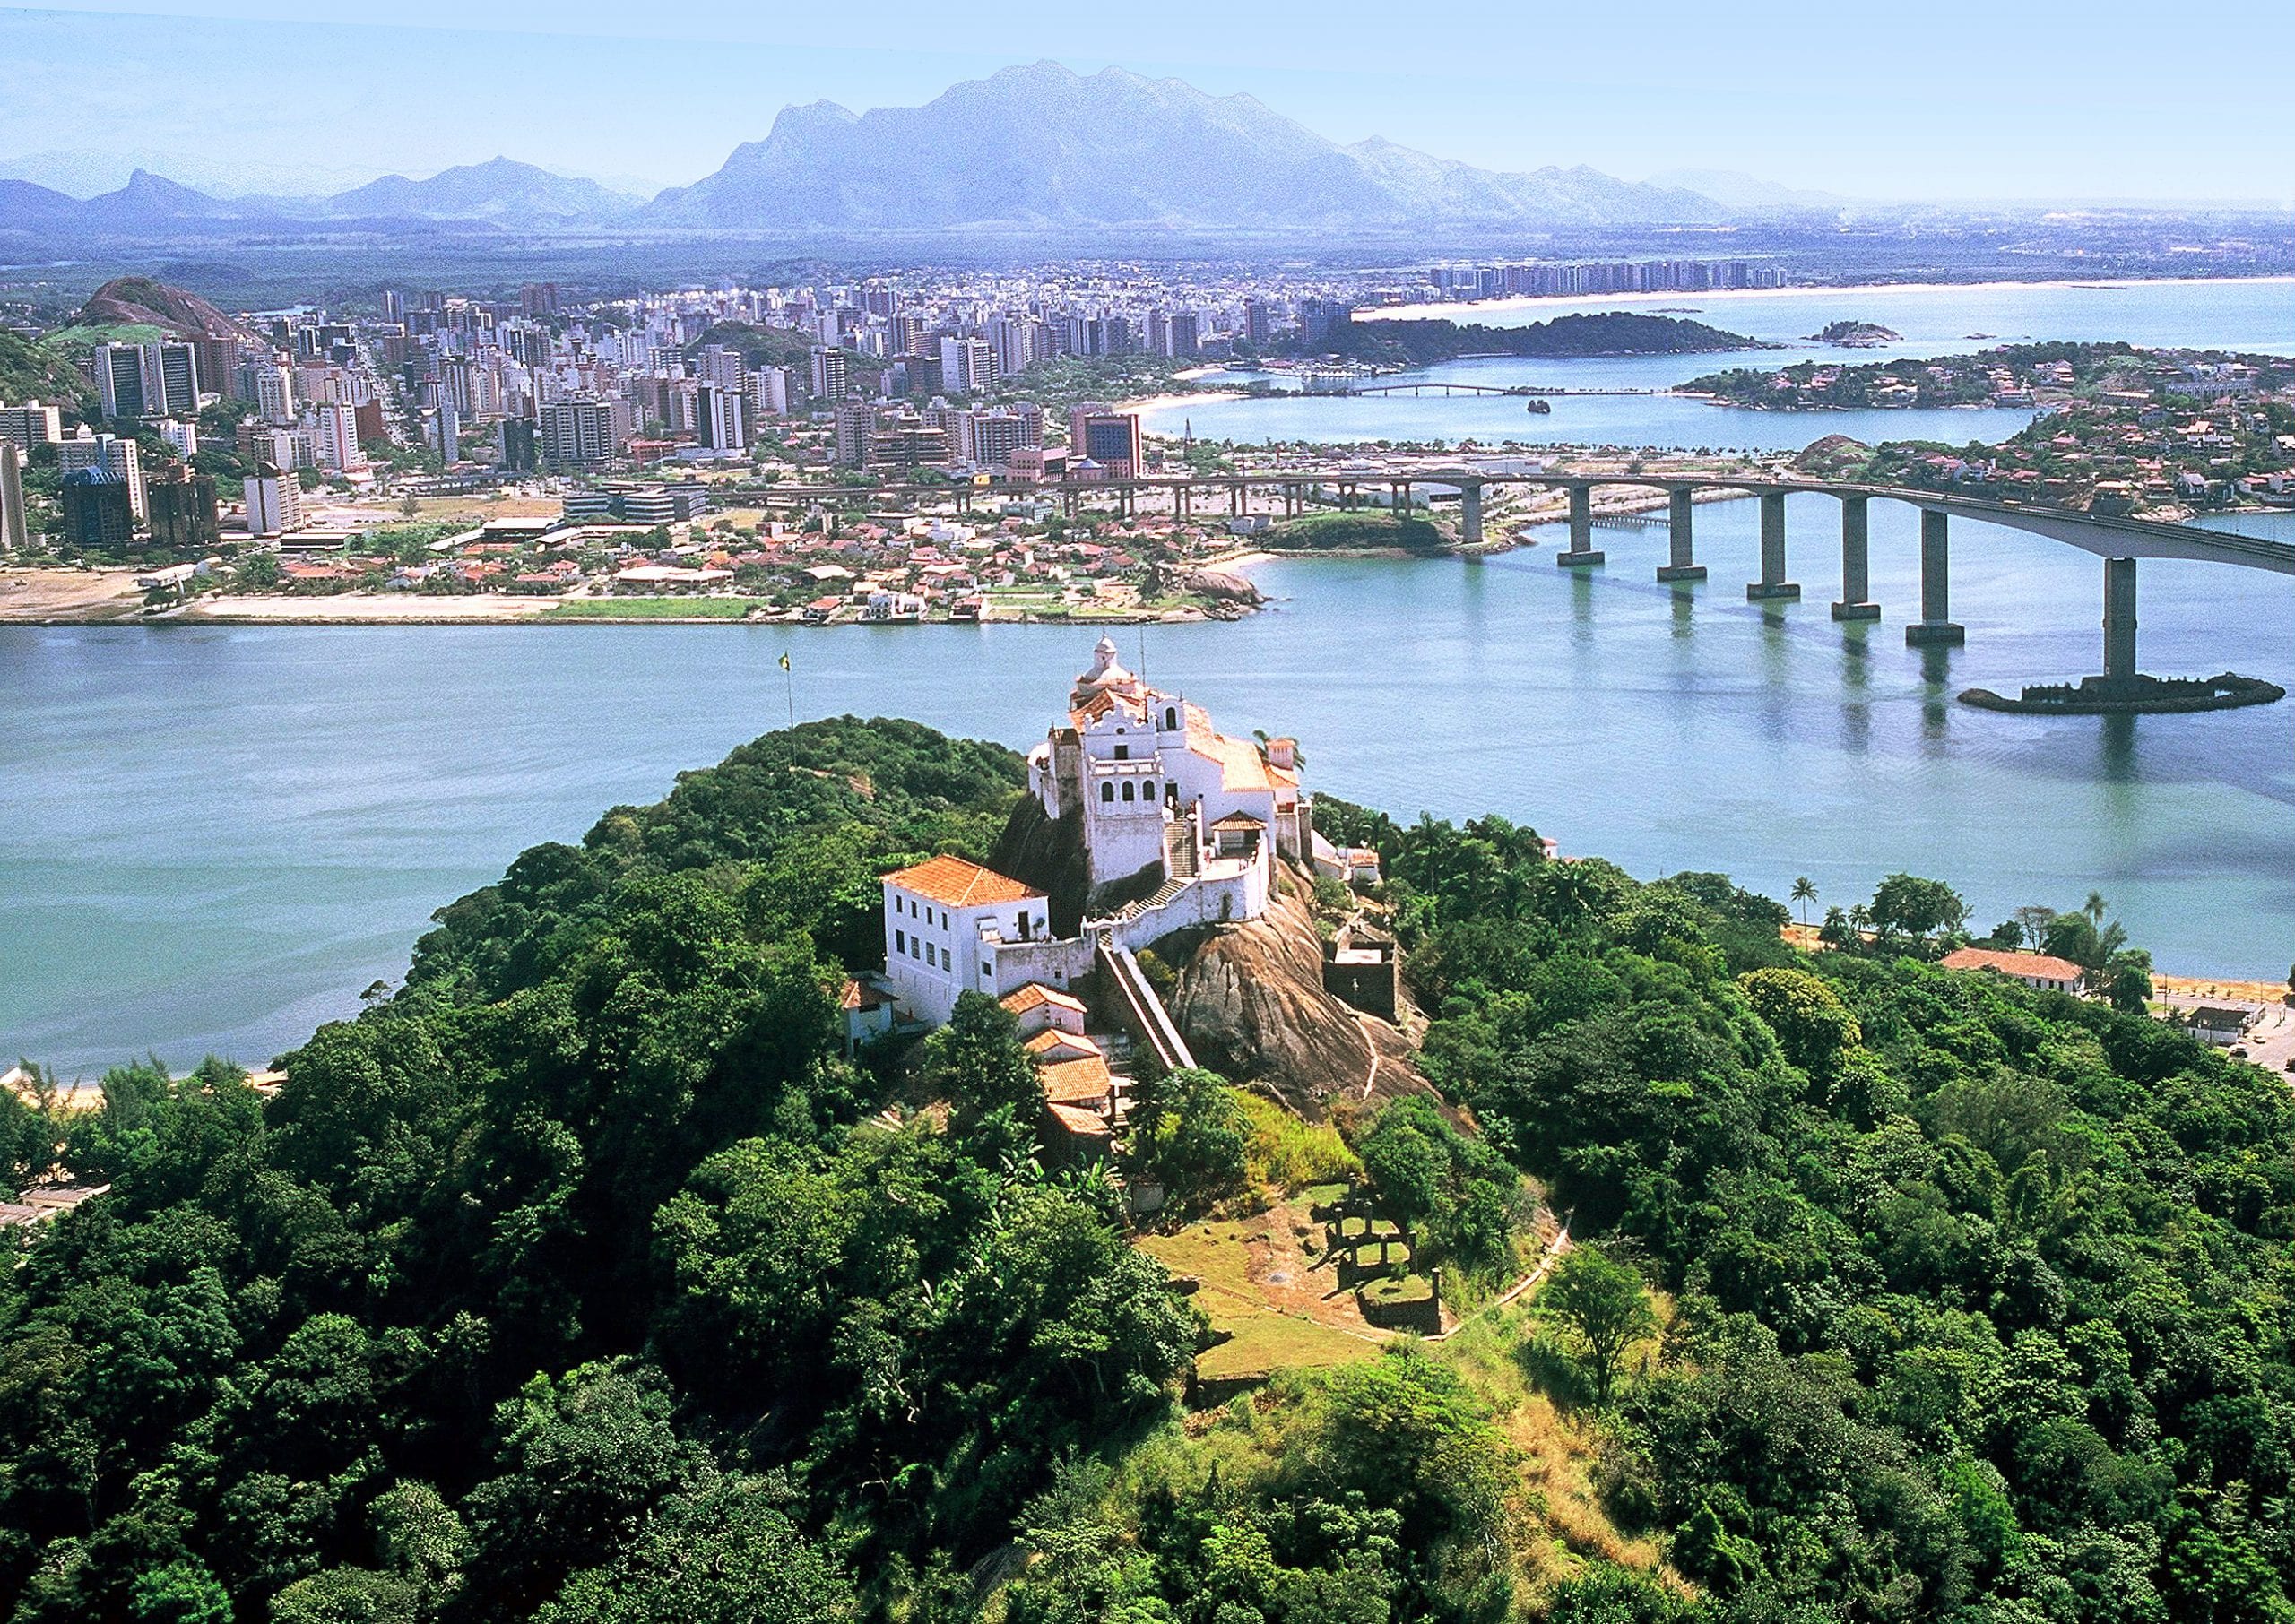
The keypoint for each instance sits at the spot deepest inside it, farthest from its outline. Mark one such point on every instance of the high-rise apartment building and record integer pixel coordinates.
(575, 432)
(274, 501)
(721, 420)
(769, 391)
(183, 511)
(268, 385)
(335, 436)
(96, 511)
(966, 364)
(146, 380)
(15, 525)
(32, 424)
(829, 379)
(520, 452)
(855, 419)
(118, 458)
(1109, 438)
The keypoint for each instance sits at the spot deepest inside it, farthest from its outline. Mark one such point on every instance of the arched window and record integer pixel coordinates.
(1107, 791)
(1171, 719)
(1127, 790)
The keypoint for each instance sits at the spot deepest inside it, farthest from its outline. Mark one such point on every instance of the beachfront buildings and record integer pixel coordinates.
(2042, 972)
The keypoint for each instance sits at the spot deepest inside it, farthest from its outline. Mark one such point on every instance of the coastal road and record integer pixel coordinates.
(2269, 1038)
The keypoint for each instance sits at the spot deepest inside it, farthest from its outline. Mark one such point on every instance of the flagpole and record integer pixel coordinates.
(789, 689)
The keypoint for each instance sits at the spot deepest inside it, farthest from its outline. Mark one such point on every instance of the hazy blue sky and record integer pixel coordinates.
(1938, 97)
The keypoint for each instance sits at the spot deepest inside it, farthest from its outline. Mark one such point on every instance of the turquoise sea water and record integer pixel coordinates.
(213, 838)
(219, 837)
(2247, 314)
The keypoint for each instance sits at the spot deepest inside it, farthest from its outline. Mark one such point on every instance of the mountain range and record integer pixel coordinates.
(1030, 148)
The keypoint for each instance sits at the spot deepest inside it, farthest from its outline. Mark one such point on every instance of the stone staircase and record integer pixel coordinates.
(1180, 848)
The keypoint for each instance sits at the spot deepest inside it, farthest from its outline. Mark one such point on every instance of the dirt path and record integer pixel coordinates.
(1555, 1251)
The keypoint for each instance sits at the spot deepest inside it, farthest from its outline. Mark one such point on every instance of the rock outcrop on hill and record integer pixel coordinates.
(1250, 998)
(1250, 1003)
(1048, 854)
(145, 301)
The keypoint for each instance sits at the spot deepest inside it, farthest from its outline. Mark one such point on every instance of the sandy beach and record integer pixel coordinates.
(1188, 397)
(68, 594)
(363, 608)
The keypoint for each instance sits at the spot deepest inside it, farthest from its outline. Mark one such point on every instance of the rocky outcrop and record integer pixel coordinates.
(1049, 854)
(1222, 586)
(1251, 1003)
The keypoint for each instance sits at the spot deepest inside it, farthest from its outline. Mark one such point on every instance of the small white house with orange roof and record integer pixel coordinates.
(1041, 1008)
(953, 926)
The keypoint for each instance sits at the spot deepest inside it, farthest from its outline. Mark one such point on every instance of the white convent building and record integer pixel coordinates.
(1182, 825)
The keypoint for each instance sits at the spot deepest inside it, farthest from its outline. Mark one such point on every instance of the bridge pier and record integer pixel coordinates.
(2119, 620)
(1772, 586)
(1581, 553)
(1236, 499)
(1681, 564)
(1470, 516)
(1856, 562)
(1935, 625)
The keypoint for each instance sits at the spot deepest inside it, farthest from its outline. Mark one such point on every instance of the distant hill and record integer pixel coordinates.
(1041, 146)
(1749, 193)
(1420, 343)
(500, 189)
(1031, 147)
(145, 301)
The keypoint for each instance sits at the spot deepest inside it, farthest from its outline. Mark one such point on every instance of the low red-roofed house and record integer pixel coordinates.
(1041, 1008)
(2043, 971)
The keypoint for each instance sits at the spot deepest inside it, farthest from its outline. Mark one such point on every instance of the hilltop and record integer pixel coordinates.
(132, 301)
(1118, 149)
(1420, 342)
(591, 1276)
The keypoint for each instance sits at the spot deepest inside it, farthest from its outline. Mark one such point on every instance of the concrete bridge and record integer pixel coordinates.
(2120, 542)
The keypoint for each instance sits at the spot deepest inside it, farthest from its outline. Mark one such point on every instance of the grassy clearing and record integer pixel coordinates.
(653, 608)
(1265, 1336)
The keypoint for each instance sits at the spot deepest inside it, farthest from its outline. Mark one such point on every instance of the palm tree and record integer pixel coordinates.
(2094, 908)
(1860, 920)
(1805, 892)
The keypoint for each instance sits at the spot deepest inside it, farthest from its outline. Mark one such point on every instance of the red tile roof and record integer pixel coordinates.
(2037, 967)
(954, 883)
(1034, 993)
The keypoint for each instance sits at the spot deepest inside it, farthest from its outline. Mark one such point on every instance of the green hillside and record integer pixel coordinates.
(586, 1278)
(30, 369)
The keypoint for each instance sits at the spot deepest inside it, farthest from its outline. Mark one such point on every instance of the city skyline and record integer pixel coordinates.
(1666, 88)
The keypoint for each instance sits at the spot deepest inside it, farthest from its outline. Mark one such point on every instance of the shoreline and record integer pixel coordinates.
(1179, 397)
(1452, 310)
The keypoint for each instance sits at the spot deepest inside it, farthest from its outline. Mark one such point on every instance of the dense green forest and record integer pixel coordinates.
(1421, 342)
(580, 1279)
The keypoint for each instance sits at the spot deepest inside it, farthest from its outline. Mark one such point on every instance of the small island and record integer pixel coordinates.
(2132, 696)
(1856, 335)
(1401, 343)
